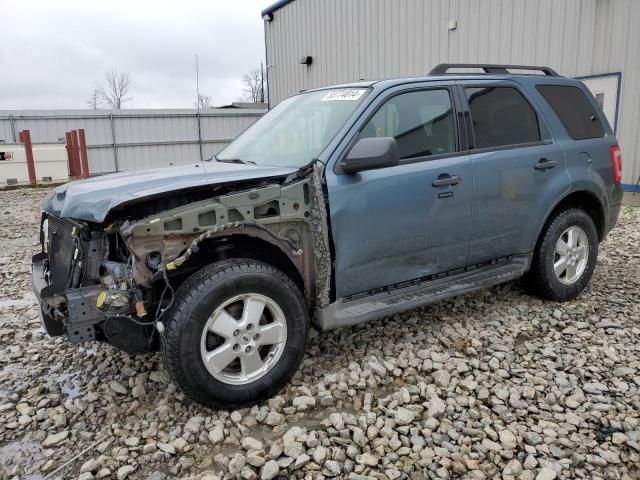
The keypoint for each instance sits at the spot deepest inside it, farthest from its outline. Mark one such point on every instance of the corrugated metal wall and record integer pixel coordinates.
(133, 139)
(371, 39)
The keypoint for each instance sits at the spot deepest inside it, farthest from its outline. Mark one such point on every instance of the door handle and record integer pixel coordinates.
(446, 179)
(544, 164)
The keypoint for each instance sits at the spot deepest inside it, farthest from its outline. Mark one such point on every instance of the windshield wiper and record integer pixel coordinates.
(234, 160)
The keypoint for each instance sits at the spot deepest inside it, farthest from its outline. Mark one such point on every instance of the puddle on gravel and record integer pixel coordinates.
(24, 453)
(69, 383)
(4, 394)
(26, 301)
(13, 379)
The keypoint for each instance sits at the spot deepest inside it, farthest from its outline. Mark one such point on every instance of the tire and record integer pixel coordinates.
(234, 289)
(542, 279)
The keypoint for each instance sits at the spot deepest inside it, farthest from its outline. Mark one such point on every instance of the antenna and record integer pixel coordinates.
(198, 109)
(197, 85)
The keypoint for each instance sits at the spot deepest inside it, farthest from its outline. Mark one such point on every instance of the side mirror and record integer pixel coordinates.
(370, 153)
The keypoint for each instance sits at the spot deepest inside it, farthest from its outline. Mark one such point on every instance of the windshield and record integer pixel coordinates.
(297, 130)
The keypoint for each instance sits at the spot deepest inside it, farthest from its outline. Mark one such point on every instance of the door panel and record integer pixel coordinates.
(392, 225)
(517, 174)
(511, 197)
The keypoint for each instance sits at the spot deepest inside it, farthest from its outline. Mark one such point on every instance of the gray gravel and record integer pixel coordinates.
(494, 384)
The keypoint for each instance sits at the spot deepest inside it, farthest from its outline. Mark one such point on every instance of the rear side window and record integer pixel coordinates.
(422, 123)
(501, 116)
(574, 110)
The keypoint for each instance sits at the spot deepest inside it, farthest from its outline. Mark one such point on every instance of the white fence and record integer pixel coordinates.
(128, 140)
(50, 164)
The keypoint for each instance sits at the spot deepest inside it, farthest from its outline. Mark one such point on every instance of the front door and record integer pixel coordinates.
(412, 220)
(518, 170)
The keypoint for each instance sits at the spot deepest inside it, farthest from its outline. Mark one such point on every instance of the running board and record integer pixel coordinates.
(346, 312)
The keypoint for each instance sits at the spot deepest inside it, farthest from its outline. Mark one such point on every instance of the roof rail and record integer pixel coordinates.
(491, 68)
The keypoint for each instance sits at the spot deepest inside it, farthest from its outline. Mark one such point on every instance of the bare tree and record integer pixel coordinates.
(254, 85)
(95, 98)
(114, 93)
(204, 102)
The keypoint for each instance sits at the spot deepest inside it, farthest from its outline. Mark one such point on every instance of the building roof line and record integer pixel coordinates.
(276, 6)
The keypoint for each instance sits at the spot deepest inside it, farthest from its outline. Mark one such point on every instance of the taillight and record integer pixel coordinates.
(616, 163)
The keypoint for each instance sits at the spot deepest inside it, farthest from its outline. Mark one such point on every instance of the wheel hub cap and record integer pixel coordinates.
(243, 339)
(571, 255)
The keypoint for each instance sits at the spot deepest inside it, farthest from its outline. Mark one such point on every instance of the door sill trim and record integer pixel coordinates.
(397, 298)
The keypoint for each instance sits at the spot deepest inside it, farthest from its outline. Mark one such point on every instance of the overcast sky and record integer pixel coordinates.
(52, 53)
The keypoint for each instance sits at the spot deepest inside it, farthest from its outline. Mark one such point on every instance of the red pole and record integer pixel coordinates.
(75, 160)
(84, 160)
(67, 137)
(25, 138)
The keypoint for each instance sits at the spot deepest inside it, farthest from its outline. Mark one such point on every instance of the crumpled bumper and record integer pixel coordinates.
(72, 313)
(51, 325)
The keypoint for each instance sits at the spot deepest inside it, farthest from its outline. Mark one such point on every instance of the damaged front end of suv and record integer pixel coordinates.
(112, 280)
(222, 263)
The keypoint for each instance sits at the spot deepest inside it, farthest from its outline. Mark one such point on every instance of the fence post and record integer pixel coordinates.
(13, 128)
(25, 138)
(113, 141)
(84, 161)
(73, 153)
(199, 135)
(67, 140)
(76, 152)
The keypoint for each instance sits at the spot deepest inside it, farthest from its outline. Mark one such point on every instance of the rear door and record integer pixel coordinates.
(518, 168)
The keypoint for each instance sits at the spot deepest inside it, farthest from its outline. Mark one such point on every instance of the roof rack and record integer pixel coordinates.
(491, 68)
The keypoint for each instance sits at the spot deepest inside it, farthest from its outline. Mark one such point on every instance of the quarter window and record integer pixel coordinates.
(422, 123)
(575, 111)
(501, 116)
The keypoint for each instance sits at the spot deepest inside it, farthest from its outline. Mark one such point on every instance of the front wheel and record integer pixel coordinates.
(565, 256)
(237, 333)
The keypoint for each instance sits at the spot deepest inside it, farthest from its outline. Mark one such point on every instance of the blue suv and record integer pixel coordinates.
(341, 205)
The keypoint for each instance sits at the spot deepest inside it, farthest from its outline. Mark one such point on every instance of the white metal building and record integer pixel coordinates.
(124, 140)
(597, 40)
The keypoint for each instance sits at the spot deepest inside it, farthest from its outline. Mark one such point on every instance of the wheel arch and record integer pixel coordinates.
(585, 200)
(255, 245)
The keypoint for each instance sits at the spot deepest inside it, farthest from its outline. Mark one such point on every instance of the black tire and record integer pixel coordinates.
(194, 303)
(541, 279)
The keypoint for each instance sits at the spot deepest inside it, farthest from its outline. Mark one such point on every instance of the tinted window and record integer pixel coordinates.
(421, 122)
(501, 116)
(574, 110)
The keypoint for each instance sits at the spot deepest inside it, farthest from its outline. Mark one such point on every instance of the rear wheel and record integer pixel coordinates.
(237, 333)
(565, 256)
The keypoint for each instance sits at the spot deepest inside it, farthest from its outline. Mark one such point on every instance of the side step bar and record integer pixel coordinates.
(344, 313)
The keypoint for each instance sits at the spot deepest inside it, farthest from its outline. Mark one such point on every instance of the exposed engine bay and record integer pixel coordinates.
(114, 281)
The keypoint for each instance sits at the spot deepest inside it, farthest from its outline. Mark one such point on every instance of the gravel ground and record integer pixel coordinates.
(494, 384)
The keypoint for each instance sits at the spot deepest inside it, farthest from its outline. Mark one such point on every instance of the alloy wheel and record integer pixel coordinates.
(571, 255)
(243, 339)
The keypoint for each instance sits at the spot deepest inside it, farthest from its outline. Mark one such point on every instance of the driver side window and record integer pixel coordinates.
(422, 122)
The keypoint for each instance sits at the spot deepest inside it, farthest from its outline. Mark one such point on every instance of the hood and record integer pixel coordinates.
(92, 199)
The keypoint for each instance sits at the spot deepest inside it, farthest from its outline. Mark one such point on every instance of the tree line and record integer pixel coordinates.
(115, 90)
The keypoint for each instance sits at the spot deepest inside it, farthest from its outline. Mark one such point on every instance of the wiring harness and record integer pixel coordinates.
(193, 247)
